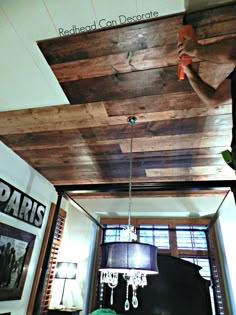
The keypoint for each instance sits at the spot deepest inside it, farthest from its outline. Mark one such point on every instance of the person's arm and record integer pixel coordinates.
(207, 93)
(223, 51)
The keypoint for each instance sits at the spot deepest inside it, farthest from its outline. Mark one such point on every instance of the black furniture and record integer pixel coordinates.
(178, 289)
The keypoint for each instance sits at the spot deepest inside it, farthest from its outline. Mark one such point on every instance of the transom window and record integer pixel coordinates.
(191, 237)
(112, 233)
(157, 235)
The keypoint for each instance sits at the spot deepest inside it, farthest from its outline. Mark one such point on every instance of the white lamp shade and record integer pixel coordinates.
(66, 270)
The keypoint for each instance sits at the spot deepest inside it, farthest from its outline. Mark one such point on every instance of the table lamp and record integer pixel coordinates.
(65, 270)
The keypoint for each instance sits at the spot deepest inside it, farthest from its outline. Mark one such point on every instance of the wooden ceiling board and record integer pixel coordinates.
(66, 117)
(110, 74)
(134, 37)
(125, 85)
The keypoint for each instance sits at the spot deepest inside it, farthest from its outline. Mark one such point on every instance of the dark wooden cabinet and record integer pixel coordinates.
(63, 312)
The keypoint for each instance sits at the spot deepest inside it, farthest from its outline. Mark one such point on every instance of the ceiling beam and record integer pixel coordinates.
(152, 186)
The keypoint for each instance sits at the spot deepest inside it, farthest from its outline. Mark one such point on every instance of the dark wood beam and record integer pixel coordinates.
(141, 187)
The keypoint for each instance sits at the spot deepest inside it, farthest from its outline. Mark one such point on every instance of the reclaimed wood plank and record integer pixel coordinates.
(89, 171)
(66, 117)
(84, 151)
(74, 178)
(105, 134)
(106, 152)
(173, 142)
(213, 22)
(125, 38)
(142, 163)
(191, 171)
(166, 127)
(119, 63)
(125, 85)
(156, 57)
(184, 100)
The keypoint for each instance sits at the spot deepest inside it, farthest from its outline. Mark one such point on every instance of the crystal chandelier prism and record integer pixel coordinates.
(129, 258)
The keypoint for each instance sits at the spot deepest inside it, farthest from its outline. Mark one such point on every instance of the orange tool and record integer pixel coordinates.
(185, 30)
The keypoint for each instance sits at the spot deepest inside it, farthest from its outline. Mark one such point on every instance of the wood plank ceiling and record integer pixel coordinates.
(111, 74)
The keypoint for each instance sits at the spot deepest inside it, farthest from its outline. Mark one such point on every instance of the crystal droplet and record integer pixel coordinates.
(127, 305)
(111, 298)
(135, 301)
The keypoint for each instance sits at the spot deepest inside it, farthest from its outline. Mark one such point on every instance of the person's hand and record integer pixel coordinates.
(187, 46)
(188, 70)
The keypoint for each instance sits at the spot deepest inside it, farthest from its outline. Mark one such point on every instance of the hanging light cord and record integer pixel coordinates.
(132, 121)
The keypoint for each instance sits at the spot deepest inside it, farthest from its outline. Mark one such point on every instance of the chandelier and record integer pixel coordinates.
(128, 257)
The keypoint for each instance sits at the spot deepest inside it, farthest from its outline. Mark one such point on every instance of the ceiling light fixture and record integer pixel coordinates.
(132, 259)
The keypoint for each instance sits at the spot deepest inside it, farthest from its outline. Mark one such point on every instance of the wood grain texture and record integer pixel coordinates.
(125, 85)
(100, 114)
(110, 74)
(113, 41)
(123, 62)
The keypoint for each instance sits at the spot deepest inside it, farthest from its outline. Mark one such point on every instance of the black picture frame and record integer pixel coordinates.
(16, 248)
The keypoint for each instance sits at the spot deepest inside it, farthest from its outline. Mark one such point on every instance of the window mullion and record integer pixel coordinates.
(173, 241)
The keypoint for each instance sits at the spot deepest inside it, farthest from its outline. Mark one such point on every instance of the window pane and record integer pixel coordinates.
(202, 262)
(112, 233)
(190, 239)
(153, 234)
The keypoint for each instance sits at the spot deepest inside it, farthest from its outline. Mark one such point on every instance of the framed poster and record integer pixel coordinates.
(19, 205)
(16, 248)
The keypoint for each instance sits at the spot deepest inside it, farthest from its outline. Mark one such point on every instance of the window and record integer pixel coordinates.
(191, 237)
(112, 233)
(157, 235)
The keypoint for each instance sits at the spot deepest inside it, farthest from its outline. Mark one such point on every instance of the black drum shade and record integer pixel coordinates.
(121, 256)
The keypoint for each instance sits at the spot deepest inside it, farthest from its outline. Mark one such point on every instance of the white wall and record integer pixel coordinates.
(75, 247)
(226, 225)
(18, 173)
